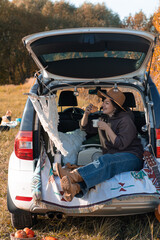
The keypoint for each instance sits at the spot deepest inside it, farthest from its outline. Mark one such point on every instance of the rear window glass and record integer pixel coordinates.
(138, 56)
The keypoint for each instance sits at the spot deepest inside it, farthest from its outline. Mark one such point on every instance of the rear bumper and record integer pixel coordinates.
(135, 205)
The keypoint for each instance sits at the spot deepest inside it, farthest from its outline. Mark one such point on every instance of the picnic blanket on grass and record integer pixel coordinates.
(11, 124)
(125, 185)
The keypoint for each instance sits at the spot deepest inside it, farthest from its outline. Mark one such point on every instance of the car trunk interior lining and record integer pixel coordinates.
(88, 67)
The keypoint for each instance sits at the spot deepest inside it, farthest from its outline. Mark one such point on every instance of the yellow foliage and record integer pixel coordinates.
(156, 20)
(155, 68)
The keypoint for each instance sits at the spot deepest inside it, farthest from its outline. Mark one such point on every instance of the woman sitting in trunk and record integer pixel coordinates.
(122, 149)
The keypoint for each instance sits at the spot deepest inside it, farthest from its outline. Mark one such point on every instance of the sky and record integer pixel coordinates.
(124, 7)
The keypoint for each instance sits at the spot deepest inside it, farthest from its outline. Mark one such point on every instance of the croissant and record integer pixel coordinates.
(94, 109)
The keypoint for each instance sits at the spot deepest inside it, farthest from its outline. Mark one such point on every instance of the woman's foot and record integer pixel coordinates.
(70, 189)
(60, 172)
(74, 176)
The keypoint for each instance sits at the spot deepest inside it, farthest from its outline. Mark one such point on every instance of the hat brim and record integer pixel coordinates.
(105, 95)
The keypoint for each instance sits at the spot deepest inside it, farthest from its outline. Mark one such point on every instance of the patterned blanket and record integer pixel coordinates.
(46, 189)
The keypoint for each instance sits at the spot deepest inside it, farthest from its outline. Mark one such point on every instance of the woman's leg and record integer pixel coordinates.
(106, 167)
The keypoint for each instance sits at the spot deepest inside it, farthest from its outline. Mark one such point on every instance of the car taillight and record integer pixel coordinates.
(158, 142)
(23, 145)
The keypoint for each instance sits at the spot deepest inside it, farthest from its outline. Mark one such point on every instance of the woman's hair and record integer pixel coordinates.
(118, 108)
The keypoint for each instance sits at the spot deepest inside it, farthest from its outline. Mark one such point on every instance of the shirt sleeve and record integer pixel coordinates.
(126, 133)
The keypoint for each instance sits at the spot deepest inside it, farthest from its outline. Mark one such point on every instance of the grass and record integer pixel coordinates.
(139, 227)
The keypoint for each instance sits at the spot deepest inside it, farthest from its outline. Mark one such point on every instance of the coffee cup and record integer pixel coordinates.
(95, 122)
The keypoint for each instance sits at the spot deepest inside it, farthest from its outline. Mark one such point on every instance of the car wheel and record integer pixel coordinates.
(22, 220)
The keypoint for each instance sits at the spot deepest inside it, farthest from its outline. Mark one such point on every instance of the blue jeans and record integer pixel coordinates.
(106, 167)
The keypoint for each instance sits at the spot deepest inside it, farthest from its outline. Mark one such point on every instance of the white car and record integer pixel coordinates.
(74, 64)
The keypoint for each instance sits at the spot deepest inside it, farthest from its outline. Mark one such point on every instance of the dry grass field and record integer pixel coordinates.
(139, 227)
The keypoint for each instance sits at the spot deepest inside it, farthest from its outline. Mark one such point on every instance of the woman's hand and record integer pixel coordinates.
(84, 119)
(88, 109)
(110, 135)
(103, 125)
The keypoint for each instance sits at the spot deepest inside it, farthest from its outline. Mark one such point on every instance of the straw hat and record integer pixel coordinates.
(115, 95)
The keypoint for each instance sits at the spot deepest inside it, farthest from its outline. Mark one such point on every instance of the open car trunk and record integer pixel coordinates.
(91, 53)
(126, 193)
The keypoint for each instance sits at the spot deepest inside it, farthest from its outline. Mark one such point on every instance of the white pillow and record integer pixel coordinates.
(72, 142)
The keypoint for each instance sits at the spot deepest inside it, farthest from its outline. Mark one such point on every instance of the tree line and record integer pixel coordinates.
(19, 18)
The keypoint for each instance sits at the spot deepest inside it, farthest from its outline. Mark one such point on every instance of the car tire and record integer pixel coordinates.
(22, 220)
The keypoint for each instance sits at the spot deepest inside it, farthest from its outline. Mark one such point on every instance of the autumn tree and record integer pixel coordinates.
(62, 14)
(65, 15)
(155, 69)
(98, 15)
(138, 21)
(15, 64)
(31, 5)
